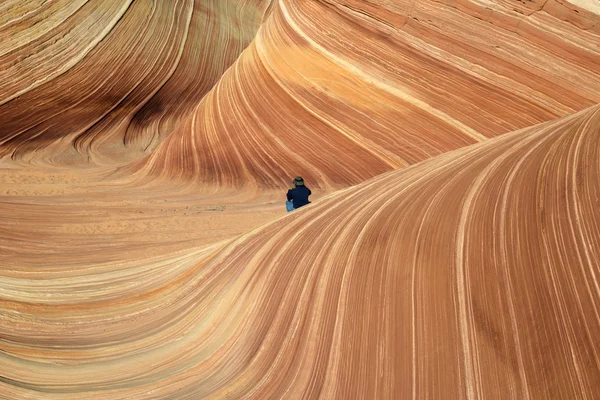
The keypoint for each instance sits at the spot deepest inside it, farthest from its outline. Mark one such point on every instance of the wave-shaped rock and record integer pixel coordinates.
(471, 275)
(378, 86)
(464, 262)
(106, 81)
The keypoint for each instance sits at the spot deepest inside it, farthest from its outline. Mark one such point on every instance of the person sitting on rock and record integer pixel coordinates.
(298, 195)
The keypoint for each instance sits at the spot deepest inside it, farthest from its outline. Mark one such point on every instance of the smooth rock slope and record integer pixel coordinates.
(378, 86)
(452, 249)
(472, 275)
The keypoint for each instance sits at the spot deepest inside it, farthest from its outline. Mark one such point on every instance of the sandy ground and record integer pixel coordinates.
(70, 218)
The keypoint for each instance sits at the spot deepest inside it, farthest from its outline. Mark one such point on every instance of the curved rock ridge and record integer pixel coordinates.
(104, 81)
(463, 261)
(471, 275)
(379, 85)
(508, 13)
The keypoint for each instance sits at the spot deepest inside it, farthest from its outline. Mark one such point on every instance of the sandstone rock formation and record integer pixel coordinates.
(452, 249)
(378, 86)
(112, 78)
(471, 275)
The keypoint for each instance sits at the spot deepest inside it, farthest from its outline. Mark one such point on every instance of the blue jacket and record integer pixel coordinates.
(299, 196)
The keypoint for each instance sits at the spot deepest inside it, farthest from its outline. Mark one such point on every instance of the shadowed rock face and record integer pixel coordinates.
(105, 81)
(145, 147)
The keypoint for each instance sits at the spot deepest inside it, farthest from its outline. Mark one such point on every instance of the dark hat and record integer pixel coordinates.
(298, 181)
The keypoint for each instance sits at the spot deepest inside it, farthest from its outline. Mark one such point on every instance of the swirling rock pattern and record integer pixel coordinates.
(103, 81)
(464, 263)
(415, 80)
(472, 275)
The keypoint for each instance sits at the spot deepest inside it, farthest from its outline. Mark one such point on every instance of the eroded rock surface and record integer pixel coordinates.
(452, 249)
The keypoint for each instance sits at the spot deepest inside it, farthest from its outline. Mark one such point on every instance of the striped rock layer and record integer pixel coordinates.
(472, 275)
(379, 86)
(103, 81)
(452, 249)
